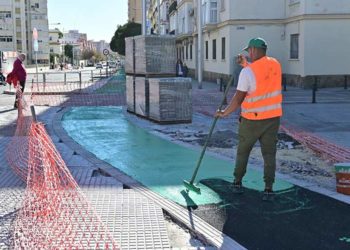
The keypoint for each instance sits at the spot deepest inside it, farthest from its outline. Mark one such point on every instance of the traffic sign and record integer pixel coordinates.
(36, 45)
(35, 34)
(105, 52)
(35, 40)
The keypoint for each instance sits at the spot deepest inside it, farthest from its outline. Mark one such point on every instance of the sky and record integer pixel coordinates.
(97, 18)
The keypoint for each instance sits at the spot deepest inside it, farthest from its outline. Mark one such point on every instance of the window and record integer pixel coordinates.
(214, 49)
(37, 5)
(223, 48)
(191, 51)
(186, 52)
(294, 46)
(183, 53)
(6, 39)
(213, 11)
(206, 50)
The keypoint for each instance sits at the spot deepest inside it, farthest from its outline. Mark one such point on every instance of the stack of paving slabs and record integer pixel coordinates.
(130, 93)
(170, 100)
(150, 55)
(149, 59)
(129, 55)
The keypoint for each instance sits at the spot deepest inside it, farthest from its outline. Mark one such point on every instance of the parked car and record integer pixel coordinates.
(112, 65)
(99, 66)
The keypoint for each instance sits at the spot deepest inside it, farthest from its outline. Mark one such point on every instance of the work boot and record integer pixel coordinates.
(237, 187)
(268, 195)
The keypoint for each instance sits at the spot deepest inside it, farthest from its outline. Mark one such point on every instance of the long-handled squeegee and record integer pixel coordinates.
(189, 185)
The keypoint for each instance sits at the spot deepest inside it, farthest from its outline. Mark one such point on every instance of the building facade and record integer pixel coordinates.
(56, 48)
(18, 18)
(307, 37)
(135, 11)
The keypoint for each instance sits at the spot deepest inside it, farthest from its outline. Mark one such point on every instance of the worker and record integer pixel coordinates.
(260, 98)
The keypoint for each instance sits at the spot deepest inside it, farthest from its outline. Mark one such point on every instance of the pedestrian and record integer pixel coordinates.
(179, 68)
(20, 73)
(61, 66)
(260, 98)
(185, 70)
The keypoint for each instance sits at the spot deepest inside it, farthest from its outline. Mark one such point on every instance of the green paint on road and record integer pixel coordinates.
(157, 163)
(345, 239)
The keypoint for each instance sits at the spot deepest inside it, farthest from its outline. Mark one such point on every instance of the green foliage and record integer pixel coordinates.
(68, 50)
(118, 40)
(87, 54)
(60, 35)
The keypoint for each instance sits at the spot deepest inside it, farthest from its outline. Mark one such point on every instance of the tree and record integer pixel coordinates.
(87, 54)
(118, 40)
(68, 50)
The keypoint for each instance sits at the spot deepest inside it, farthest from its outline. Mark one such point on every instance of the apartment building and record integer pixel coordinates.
(309, 38)
(101, 45)
(152, 16)
(135, 11)
(18, 18)
(56, 48)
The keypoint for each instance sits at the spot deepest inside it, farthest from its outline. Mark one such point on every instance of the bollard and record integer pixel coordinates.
(92, 75)
(65, 78)
(314, 89)
(284, 82)
(222, 84)
(346, 82)
(44, 81)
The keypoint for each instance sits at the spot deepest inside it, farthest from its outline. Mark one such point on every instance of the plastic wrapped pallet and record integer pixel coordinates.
(142, 96)
(129, 55)
(170, 100)
(155, 55)
(130, 93)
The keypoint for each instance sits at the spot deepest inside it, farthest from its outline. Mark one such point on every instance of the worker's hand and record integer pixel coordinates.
(220, 113)
(241, 60)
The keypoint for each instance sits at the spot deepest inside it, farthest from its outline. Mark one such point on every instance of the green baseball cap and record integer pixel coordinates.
(256, 43)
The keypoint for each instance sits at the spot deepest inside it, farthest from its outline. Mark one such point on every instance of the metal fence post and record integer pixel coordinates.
(314, 89)
(92, 75)
(32, 109)
(80, 80)
(65, 78)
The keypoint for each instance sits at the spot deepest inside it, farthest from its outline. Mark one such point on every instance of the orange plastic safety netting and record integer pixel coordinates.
(54, 213)
(78, 91)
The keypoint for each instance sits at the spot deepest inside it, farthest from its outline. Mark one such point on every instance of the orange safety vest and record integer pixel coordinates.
(266, 101)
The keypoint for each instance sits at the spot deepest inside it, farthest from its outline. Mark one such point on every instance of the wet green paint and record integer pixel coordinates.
(345, 239)
(153, 161)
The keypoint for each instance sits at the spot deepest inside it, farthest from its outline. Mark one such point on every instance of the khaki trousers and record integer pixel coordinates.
(249, 132)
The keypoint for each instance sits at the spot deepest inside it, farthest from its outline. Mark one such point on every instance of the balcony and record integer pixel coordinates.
(172, 7)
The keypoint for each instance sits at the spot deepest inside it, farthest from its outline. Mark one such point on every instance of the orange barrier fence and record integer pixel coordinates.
(54, 213)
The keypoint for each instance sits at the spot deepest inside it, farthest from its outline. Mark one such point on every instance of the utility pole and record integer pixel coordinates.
(144, 18)
(200, 43)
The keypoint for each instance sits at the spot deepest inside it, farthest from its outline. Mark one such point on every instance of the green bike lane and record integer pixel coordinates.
(162, 166)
